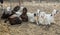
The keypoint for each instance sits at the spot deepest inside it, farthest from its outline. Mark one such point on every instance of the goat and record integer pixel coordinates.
(15, 14)
(46, 19)
(18, 17)
(8, 12)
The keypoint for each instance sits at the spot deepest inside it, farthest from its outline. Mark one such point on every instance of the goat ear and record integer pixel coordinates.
(57, 11)
(51, 14)
(54, 12)
(38, 9)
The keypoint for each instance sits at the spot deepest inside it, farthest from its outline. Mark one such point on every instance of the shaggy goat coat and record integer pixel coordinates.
(46, 19)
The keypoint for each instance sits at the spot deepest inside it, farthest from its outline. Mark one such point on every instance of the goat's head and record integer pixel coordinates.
(36, 13)
(54, 12)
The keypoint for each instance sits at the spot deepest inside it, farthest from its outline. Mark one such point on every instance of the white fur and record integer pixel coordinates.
(31, 17)
(41, 18)
(8, 10)
(21, 8)
(54, 12)
(19, 12)
(46, 19)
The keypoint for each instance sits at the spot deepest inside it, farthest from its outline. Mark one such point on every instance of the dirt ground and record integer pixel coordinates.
(27, 28)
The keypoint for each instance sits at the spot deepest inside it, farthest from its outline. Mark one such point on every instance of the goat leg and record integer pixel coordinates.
(6, 21)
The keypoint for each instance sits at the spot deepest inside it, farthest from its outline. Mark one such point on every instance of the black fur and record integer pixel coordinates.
(34, 14)
(5, 16)
(16, 8)
(1, 1)
(24, 15)
(14, 21)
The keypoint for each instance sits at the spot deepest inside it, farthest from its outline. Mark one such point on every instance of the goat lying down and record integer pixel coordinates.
(8, 12)
(46, 19)
(12, 15)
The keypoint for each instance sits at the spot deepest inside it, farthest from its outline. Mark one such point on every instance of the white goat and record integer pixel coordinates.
(46, 19)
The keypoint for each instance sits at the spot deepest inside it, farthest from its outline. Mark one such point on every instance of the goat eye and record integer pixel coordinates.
(51, 14)
(56, 11)
(34, 14)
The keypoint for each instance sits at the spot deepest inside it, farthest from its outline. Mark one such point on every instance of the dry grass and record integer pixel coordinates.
(31, 28)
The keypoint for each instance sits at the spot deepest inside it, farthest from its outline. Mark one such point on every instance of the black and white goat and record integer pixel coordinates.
(18, 17)
(8, 12)
(14, 16)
